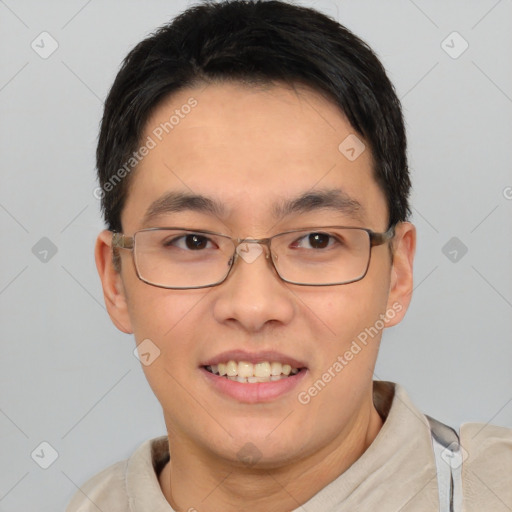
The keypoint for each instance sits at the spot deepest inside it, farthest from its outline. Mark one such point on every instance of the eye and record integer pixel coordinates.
(315, 241)
(192, 241)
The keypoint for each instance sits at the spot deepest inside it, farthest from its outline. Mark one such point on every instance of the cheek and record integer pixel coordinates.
(348, 310)
(164, 326)
(159, 313)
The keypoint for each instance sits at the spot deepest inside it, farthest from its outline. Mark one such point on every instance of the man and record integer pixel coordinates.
(254, 182)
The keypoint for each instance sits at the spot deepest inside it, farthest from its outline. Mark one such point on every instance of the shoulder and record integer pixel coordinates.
(119, 485)
(106, 490)
(487, 466)
(477, 438)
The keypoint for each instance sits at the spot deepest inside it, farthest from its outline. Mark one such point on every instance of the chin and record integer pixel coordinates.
(261, 446)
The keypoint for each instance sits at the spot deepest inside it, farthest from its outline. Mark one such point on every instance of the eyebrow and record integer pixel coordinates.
(325, 199)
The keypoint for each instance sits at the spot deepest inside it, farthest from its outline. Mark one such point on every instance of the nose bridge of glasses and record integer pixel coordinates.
(249, 255)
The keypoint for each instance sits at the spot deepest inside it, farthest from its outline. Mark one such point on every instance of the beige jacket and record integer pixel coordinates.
(397, 473)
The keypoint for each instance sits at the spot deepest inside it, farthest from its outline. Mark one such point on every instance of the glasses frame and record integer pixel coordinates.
(122, 241)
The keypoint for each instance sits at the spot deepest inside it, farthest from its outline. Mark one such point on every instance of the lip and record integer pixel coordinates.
(254, 357)
(256, 392)
(252, 393)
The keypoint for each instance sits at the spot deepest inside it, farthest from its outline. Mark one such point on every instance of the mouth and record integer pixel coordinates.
(249, 373)
(253, 378)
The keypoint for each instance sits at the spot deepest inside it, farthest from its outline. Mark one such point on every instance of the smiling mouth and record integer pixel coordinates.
(245, 372)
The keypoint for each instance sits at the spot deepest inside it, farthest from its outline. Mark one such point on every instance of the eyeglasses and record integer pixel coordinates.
(181, 258)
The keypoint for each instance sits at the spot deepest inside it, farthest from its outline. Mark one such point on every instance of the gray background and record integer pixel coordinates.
(69, 378)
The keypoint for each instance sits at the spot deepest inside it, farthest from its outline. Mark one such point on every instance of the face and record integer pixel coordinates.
(250, 149)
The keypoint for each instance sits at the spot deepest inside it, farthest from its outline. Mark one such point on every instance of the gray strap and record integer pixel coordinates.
(448, 456)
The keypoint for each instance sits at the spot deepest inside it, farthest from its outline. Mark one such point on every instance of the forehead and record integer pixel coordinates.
(250, 149)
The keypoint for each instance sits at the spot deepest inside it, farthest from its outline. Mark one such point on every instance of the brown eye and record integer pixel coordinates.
(196, 241)
(192, 242)
(318, 240)
(314, 241)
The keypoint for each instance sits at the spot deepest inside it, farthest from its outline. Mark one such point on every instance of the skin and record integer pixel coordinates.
(274, 142)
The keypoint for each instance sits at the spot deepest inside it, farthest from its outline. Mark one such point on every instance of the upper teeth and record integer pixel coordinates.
(264, 369)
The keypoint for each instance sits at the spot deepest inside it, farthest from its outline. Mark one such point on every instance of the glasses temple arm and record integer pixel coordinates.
(121, 241)
(381, 238)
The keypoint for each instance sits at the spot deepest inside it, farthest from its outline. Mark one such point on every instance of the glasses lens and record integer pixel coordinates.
(176, 258)
(322, 255)
(182, 259)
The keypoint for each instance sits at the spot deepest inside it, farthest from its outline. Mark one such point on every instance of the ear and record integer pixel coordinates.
(401, 283)
(112, 283)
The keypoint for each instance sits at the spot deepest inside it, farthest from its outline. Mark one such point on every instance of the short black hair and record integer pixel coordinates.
(253, 42)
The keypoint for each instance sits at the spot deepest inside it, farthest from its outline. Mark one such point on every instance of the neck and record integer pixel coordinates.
(224, 486)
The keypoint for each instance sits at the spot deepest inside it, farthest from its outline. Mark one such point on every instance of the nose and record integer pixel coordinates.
(253, 295)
